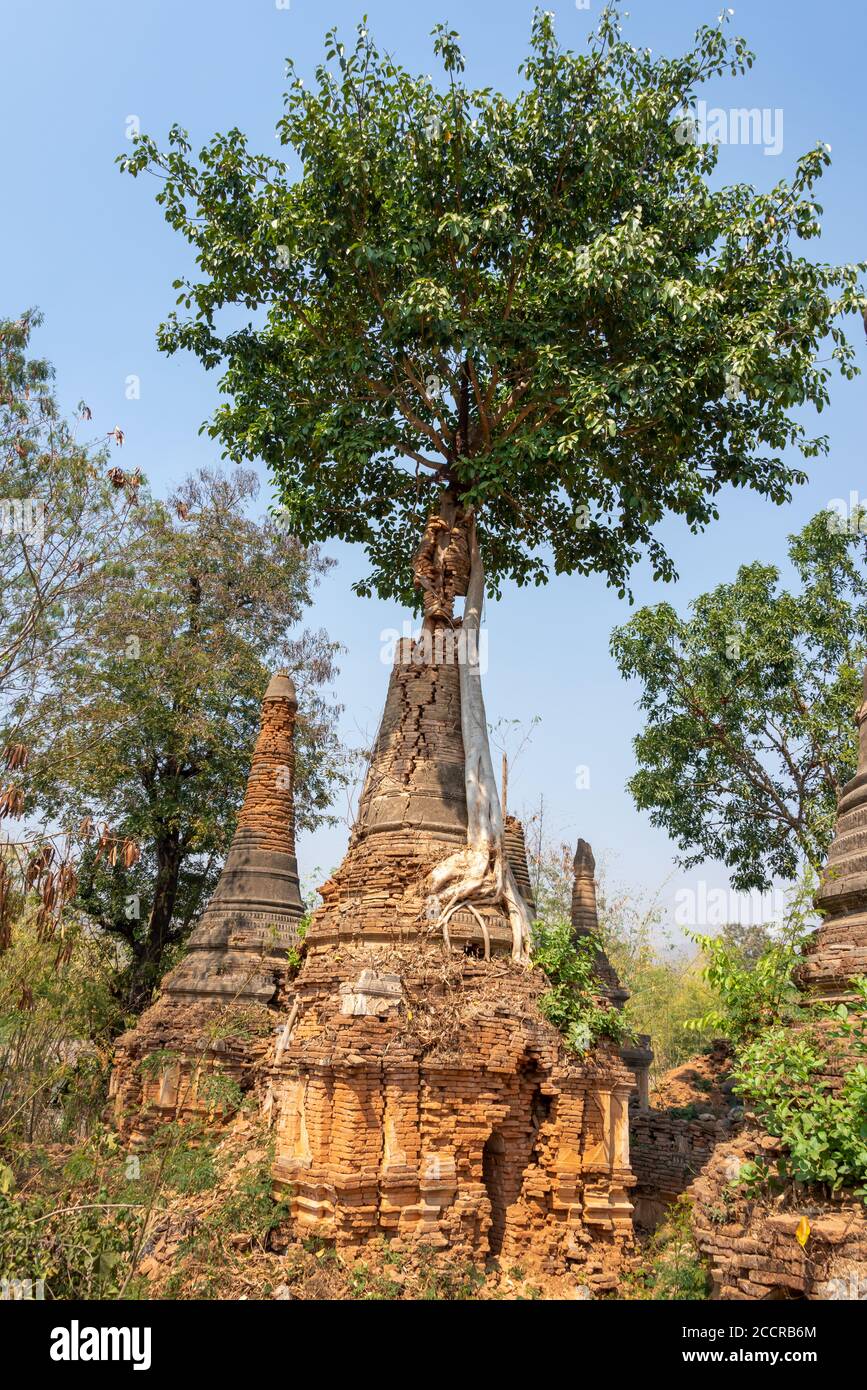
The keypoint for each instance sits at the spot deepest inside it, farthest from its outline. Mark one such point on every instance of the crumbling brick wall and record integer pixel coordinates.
(666, 1153)
(751, 1244)
(451, 1115)
(163, 1067)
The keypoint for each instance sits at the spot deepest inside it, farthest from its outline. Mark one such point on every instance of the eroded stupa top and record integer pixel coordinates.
(252, 917)
(838, 951)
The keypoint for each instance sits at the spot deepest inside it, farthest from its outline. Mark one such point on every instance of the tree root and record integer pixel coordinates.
(480, 873)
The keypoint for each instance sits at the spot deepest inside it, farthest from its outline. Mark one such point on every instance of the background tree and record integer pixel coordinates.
(62, 523)
(748, 705)
(146, 733)
(538, 303)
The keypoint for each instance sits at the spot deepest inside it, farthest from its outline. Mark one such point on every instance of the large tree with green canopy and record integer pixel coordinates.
(536, 307)
(748, 736)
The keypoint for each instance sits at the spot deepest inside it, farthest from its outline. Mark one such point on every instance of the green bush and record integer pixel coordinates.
(754, 990)
(572, 1003)
(58, 1016)
(823, 1133)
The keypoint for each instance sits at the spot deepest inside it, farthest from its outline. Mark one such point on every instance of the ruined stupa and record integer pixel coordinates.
(252, 918)
(217, 1009)
(412, 815)
(636, 1052)
(415, 1088)
(417, 1091)
(756, 1255)
(585, 919)
(837, 953)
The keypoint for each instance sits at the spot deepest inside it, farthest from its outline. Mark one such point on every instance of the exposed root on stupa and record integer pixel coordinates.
(479, 874)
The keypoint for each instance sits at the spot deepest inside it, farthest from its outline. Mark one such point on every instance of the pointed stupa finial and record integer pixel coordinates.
(584, 864)
(585, 919)
(252, 917)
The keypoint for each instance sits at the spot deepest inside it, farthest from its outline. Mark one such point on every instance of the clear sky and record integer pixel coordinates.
(90, 248)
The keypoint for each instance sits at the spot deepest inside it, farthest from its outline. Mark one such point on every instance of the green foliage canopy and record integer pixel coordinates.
(748, 705)
(539, 301)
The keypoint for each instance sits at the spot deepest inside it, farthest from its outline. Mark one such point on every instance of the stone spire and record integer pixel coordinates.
(585, 919)
(636, 1053)
(412, 814)
(515, 846)
(838, 950)
(252, 918)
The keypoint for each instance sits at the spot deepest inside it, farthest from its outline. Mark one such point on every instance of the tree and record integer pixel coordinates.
(531, 320)
(748, 702)
(538, 303)
(62, 522)
(146, 734)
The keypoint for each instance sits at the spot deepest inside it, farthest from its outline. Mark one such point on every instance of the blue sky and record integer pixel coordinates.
(91, 249)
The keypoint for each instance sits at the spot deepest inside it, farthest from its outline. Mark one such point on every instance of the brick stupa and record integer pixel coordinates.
(218, 1008)
(838, 951)
(636, 1053)
(252, 918)
(418, 1092)
(585, 919)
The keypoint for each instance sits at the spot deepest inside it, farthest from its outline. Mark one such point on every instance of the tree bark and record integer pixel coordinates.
(481, 872)
(148, 952)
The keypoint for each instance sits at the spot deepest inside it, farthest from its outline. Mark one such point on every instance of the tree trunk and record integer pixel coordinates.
(148, 953)
(480, 873)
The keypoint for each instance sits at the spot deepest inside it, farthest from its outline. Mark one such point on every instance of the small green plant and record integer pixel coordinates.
(684, 1112)
(573, 1002)
(189, 1164)
(443, 1279)
(220, 1092)
(295, 955)
(676, 1269)
(156, 1062)
(755, 992)
(370, 1285)
(822, 1132)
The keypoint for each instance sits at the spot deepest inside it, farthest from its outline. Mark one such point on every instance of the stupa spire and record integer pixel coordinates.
(585, 918)
(838, 951)
(412, 814)
(252, 917)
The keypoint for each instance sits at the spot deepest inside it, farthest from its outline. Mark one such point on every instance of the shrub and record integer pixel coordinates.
(823, 1132)
(572, 1003)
